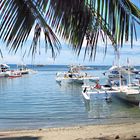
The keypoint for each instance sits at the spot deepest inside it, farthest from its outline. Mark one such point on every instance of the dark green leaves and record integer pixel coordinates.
(18, 18)
(73, 20)
(16, 22)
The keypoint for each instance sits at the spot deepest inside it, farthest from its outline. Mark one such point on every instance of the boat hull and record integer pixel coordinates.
(132, 98)
(129, 94)
(81, 80)
(2, 75)
(24, 71)
(14, 76)
(86, 96)
(5, 74)
(69, 80)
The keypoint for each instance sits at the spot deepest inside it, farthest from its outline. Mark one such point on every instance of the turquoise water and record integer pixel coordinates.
(37, 101)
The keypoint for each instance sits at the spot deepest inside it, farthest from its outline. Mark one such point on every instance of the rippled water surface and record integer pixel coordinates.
(37, 101)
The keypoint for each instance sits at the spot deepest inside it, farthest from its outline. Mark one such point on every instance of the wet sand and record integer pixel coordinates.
(129, 131)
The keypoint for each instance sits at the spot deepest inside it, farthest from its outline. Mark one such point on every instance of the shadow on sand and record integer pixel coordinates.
(21, 138)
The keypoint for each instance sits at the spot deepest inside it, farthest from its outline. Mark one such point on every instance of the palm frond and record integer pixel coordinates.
(18, 18)
(16, 22)
(73, 20)
(1, 54)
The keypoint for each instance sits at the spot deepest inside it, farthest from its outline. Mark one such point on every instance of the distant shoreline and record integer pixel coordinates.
(60, 65)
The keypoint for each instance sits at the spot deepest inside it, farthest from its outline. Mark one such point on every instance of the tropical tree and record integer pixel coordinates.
(73, 20)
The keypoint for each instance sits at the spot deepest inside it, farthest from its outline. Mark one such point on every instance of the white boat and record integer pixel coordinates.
(4, 70)
(15, 74)
(121, 84)
(114, 71)
(128, 93)
(74, 75)
(104, 91)
(23, 69)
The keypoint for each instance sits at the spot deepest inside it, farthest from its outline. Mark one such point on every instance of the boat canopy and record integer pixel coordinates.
(4, 65)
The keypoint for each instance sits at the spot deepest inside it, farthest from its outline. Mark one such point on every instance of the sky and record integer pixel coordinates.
(67, 56)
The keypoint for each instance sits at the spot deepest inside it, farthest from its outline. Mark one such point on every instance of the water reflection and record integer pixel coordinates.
(3, 83)
(69, 88)
(97, 107)
(87, 104)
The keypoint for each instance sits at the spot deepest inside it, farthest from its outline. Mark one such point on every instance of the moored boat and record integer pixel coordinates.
(4, 70)
(15, 74)
(23, 69)
(104, 91)
(122, 85)
(128, 93)
(74, 75)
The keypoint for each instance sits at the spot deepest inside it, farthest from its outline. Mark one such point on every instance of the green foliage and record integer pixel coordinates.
(18, 18)
(73, 20)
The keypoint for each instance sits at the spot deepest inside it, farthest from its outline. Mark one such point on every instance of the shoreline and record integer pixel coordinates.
(122, 131)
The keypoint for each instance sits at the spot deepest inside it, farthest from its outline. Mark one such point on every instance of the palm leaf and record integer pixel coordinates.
(72, 20)
(116, 18)
(18, 18)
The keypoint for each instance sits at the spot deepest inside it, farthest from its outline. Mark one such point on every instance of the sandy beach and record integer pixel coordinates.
(129, 131)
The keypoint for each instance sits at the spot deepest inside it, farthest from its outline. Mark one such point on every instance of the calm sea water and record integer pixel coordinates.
(37, 101)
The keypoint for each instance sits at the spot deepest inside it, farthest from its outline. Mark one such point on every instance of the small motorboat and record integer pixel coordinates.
(23, 69)
(4, 70)
(98, 90)
(15, 74)
(74, 75)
